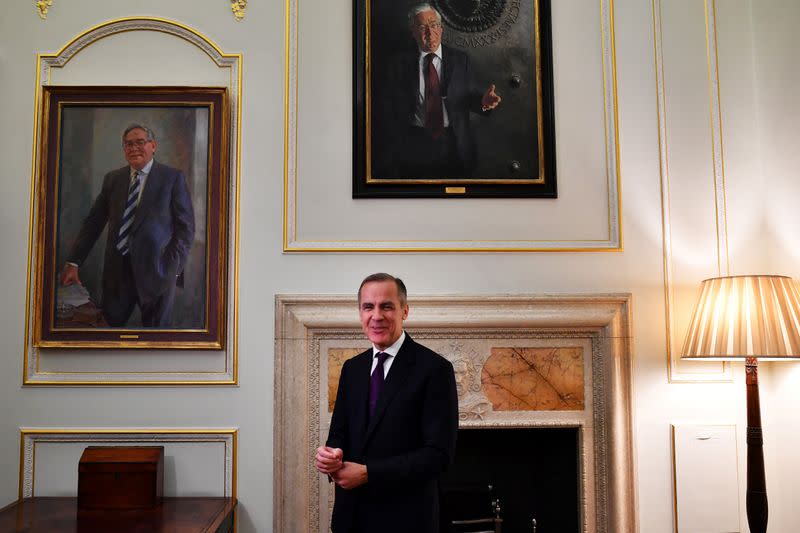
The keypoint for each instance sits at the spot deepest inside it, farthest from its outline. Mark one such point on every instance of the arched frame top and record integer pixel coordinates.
(228, 364)
(112, 27)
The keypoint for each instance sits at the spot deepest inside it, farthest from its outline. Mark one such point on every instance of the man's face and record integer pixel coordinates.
(381, 313)
(138, 150)
(427, 31)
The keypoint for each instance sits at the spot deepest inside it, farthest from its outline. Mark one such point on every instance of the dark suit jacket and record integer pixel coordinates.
(395, 101)
(407, 444)
(160, 238)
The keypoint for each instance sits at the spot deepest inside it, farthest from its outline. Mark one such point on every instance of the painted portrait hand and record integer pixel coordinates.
(69, 275)
(350, 476)
(328, 460)
(490, 99)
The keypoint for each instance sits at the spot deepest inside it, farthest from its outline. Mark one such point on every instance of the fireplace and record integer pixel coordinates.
(533, 473)
(533, 373)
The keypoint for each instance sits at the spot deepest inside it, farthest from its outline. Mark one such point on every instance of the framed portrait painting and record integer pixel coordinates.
(132, 217)
(453, 98)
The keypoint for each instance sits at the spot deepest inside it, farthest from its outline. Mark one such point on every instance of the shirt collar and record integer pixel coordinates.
(437, 52)
(393, 349)
(146, 168)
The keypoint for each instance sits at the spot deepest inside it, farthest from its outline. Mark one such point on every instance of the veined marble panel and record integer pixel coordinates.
(502, 379)
(336, 358)
(534, 379)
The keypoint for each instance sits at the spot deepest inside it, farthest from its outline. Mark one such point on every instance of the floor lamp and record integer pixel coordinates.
(750, 318)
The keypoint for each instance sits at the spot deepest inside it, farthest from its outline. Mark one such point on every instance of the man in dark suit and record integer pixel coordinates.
(422, 101)
(393, 428)
(148, 211)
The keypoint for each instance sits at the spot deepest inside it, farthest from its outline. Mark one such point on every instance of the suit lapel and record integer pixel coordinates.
(148, 195)
(122, 183)
(411, 77)
(398, 376)
(447, 70)
(359, 388)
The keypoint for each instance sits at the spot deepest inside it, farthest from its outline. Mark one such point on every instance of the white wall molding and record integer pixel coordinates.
(30, 438)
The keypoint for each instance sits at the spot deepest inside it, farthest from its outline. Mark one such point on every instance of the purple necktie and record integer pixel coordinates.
(376, 382)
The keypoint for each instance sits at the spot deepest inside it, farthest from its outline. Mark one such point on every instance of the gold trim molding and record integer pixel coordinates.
(461, 328)
(238, 7)
(677, 372)
(225, 369)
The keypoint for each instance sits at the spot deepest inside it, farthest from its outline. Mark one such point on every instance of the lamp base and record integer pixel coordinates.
(756, 499)
(757, 511)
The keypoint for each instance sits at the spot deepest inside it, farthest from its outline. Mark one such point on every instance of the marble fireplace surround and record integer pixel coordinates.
(461, 328)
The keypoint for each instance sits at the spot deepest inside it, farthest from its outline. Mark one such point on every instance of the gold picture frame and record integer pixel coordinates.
(80, 129)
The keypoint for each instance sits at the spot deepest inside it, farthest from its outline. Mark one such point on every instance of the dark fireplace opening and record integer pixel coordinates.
(533, 473)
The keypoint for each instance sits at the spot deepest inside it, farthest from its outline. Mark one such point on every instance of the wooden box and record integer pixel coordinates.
(121, 477)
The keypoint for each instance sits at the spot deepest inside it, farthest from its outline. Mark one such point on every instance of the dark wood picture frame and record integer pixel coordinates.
(79, 141)
(510, 43)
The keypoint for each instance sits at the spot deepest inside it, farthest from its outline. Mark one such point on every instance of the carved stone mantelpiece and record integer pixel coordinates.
(520, 361)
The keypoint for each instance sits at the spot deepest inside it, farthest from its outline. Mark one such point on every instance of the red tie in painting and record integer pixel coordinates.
(434, 114)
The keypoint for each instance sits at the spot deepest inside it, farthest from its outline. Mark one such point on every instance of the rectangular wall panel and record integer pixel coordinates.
(706, 478)
(197, 462)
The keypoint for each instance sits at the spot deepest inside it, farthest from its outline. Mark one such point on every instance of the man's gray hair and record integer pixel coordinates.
(150, 135)
(419, 8)
(402, 293)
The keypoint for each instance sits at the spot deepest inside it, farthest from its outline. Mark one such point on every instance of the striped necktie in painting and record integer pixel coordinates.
(130, 212)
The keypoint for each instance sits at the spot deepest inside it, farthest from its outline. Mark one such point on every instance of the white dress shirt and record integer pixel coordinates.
(391, 350)
(419, 114)
(143, 179)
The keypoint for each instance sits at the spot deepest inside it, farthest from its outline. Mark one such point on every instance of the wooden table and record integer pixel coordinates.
(174, 515)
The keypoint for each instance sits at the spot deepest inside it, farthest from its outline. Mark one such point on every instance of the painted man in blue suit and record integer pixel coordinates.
(390, 442)
(148, 211)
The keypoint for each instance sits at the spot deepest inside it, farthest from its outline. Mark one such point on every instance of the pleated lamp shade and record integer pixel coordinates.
(745, 316)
